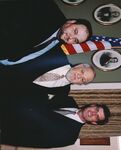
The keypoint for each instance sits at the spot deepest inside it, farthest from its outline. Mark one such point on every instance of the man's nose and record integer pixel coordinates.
(79, 75)
(71, 35)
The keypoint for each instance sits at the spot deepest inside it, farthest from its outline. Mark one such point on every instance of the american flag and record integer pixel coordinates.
(95, 43)
(115, 42)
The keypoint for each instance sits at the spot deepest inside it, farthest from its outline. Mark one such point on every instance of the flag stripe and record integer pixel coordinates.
(85, 47)
(78, 48)
(92, 45)
(70, 49)
(99, 45)
(107, 45)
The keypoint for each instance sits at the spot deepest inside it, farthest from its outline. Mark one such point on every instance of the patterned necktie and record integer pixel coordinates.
(49, 77)
(65, 112)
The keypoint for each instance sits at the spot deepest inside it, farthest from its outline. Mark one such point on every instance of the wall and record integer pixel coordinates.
(85, 10)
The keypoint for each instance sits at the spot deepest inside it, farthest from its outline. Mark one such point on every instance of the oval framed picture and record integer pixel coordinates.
(73, 2)
(107, 14)
(107, 60)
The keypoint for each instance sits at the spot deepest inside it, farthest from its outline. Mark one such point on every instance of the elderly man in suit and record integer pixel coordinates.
(27, 74)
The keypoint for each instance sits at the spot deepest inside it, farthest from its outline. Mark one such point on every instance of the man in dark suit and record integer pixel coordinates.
(31, 120)
(23, 75)
(26, 24)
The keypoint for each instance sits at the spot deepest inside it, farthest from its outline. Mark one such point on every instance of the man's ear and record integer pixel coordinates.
(69, 22)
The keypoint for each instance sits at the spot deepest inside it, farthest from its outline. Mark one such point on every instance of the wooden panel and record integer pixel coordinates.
(95, 141)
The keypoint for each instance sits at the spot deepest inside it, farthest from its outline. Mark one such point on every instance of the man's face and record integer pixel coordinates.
(92, 114)
(80, 74)
(74, 33)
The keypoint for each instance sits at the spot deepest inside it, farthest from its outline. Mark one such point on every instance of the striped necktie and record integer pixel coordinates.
(65, 112)
(49, 77)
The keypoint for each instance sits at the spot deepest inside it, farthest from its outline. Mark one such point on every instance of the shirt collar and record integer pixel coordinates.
(73, 116)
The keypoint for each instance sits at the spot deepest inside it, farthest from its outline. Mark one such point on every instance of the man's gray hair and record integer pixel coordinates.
(87, 65)
(90, 66)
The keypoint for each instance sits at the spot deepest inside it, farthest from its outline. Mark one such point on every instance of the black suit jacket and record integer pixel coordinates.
(22, 75)
(24, 24)
(30, 121)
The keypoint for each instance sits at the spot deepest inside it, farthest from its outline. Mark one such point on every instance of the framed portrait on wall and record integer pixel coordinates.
(107, 14)
(107, 60)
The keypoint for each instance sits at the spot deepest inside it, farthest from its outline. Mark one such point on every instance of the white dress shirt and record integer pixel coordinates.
(74, 116)
(62, 71)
